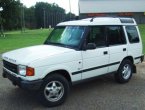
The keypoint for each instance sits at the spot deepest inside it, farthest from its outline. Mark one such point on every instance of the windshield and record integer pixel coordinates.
(66, 36)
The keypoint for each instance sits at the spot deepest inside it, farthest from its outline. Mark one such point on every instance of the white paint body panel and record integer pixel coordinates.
(116, 55)
(135, 49)
(95, 58)
(45, 59)
(27, 55)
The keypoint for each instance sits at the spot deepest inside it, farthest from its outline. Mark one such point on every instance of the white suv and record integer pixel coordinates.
(74, 51)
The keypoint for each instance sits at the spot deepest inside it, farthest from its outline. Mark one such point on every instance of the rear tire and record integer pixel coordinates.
(124, 72)
(54, 90)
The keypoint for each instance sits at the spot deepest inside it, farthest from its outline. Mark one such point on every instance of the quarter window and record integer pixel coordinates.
(115, 35)
(132, 34)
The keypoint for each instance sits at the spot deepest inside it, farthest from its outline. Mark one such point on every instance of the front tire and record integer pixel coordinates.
(54, 90)
(124, 72)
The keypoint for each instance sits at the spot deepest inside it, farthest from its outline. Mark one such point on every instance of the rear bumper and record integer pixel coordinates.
(29, 85)
(142, 58)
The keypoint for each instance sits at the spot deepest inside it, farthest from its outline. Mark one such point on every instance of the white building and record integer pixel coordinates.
(127, 8)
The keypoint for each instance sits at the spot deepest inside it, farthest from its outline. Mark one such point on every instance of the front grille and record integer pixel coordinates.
(10, 66)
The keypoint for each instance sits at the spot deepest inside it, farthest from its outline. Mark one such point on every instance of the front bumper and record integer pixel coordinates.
(29, 85)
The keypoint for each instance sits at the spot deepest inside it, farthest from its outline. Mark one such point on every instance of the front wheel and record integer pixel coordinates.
(124, 72)
(54, 90)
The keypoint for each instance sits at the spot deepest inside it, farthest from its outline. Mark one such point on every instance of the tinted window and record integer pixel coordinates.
(97, 36)
(115, 35)
(132, 34)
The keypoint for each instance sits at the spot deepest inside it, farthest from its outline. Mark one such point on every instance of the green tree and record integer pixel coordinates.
(48, 14)
(70, 16)
(11, 13)
(30, 19)
(41, 15)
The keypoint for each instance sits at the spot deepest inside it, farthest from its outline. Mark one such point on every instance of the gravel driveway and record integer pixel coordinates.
(103, 93)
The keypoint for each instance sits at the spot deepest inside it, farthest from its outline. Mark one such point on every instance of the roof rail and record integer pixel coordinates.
(97, 17)
(103, 16)
(122, 19)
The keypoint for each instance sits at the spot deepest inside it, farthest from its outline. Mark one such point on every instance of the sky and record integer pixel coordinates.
(62, 3)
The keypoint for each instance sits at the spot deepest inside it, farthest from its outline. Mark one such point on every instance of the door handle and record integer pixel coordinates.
(124, 49)
(105, 52)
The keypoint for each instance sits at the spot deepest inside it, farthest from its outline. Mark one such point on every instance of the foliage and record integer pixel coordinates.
(51, 13)
(142, 31)
(11, 13)
(30, 19)
(70, 16)
(42, 15)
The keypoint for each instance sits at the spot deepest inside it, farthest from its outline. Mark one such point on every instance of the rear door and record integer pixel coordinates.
(117, 46)
(95, 61)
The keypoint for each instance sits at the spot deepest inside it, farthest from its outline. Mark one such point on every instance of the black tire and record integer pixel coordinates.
(121, 76)
(59, 80)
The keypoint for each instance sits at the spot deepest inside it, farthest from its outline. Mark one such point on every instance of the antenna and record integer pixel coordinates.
(92, 19)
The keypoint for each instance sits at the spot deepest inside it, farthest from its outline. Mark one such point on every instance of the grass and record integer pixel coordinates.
(16, 39)
(142, 31)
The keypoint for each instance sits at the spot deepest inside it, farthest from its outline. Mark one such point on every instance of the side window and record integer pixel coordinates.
(115, 35)
(97, 36)
(132, 34)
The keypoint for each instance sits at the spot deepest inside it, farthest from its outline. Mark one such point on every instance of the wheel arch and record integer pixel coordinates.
(129, 58)
(62, 72)
(132, 60)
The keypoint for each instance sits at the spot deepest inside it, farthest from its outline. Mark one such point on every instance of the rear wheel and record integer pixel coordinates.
(54, 90)
(125, 71)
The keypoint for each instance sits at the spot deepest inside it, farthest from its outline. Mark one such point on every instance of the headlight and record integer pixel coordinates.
(22, 70)
(25, 71)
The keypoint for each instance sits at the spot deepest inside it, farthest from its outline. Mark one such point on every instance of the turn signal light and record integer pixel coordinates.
(30, 71)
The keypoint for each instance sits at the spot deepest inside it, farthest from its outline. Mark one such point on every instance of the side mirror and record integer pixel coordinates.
(91, 46)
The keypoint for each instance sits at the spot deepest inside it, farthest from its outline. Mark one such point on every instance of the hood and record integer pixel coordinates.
(26, 55)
